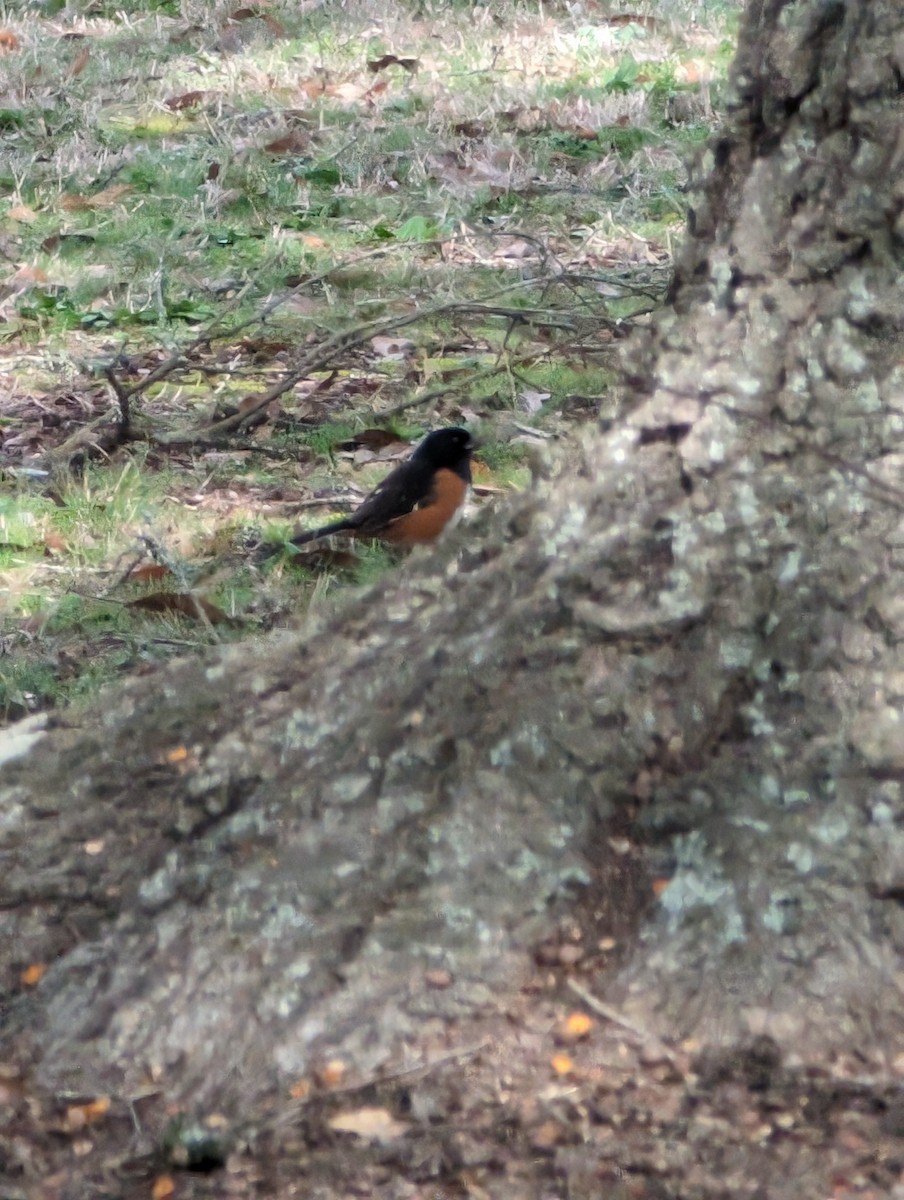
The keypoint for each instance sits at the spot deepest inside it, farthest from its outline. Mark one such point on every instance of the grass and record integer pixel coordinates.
(170, 172)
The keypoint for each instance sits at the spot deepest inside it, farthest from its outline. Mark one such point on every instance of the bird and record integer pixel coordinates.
(417, 500)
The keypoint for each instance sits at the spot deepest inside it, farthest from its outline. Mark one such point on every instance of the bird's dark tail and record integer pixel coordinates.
(269, 551)
(311, 535)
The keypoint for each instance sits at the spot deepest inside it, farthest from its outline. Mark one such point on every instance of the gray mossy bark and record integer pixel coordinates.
(690, 636)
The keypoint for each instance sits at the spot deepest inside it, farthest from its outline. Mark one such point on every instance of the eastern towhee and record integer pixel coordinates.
(417, 500)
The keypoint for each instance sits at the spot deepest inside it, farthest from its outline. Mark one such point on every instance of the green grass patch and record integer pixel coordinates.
(137, 219)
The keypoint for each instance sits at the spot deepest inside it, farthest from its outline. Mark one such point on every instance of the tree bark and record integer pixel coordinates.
(689, 640)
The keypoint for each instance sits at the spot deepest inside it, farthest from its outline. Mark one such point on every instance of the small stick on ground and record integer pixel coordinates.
(617, 1018)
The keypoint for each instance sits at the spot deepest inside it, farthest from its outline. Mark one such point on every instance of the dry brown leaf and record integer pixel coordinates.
(391, 60)
(109, 195)
(186, 100)
(184, 603)
(149, 573)
(103, 199)
(258, 12)
(26, 276)
(349, 92)
(695, 71)
(312, 88)
(8, 40)
(377, 90)
(621, 19)
(23, 214)
(517, 249)
(371, 439)
(470, 129)
(371, 1124)
(69, 202)
(79, 63)
(294, 142)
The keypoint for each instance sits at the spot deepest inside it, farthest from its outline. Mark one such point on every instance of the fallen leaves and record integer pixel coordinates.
(106, 198)
(562, 1064)
(575, 1027)
(33, 974)
(294, 142)
(80, 1116)
(369, 1124)
(186, 100)
(391, 60)
(185, 604)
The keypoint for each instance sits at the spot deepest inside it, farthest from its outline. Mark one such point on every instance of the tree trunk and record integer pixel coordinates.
(689, 641)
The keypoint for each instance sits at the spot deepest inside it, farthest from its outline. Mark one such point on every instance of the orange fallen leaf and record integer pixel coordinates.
(562, 1064)
(659, 886)
(8, 40)
(177, 755)
(577, 1025)
(80, 1115)
(332, 1073)
(162, 1187)
(33, 974)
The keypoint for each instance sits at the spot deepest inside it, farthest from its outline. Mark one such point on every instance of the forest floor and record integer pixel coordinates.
(549, 1097)
(249, 254)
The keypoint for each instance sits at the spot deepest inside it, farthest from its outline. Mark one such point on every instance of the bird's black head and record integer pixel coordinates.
(450, 448)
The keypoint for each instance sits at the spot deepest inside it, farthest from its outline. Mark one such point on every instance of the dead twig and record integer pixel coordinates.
(328, 351)
(123, 399)
(617, 1018)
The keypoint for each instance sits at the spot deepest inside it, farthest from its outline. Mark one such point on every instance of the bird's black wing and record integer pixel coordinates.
(403, 489)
